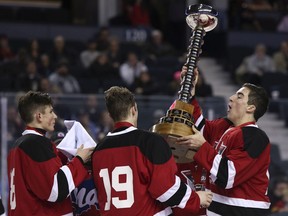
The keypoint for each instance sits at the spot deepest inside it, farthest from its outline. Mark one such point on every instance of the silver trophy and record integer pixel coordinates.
(178, 121)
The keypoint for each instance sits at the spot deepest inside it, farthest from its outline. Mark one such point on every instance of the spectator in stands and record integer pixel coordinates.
(46, 86)
(156, 47)
(92, 108)
(202, 88)
(115, 53)
(283, 24)
(279, 195)
(91, 127)
(138, 13)
(34, 51)
(253, 66)
(14, 123)
(30, 80)
(44, 67)
(145, 84)
(6, 53)
(60, 51)
(106, 124)
(62, 78)
(249, 8)
(103, 39)
(102, 70)
(89, 55)
(281, 58)
(131, 69)
(175, 84)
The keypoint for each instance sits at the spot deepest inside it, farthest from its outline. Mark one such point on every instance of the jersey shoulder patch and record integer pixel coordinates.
(38, 148)
(255, 141)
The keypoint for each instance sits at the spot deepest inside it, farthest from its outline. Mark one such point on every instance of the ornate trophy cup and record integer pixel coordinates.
(179, 121)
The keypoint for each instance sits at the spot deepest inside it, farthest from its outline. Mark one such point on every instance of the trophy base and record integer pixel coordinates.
(170, 132)
(177, 123)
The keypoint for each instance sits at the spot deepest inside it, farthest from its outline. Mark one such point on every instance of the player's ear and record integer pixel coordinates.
(251, 108)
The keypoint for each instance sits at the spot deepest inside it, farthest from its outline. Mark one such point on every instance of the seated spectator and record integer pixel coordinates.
(145, 85)
(6, 53)
(279, 195)
(202, 88)
(30, 80)
(106, 124)
(44, 67)
(283, 24)
(62, 78)
(281, 58)
(61, 51)
(34, 51)
(92, 108)
(175, 84)
(156, 47)
(131, 69)
(46, 86)
(103, 70)
(252, 67)
(115, 53)
(138, 13)
(89, 55)
(102, 39)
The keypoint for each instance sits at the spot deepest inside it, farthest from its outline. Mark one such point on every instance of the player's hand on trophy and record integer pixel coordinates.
(194, 141)
(85, 154)
(205, 198)
(196, 73)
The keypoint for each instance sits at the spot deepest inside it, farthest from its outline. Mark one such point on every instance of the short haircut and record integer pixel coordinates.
(118, 102)
(32, 101)
(259, 98)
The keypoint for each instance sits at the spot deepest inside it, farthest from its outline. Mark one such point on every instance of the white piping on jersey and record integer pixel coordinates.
(3, 214)
(209, 213)
(165, 212)
(31, 132)
(127, 130)
(240, 202)
(199, 120)
(54, 191)
(171, 191)
(69, 214)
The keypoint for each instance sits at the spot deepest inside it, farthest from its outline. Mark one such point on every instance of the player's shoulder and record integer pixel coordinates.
(38, 148)
(255, 140)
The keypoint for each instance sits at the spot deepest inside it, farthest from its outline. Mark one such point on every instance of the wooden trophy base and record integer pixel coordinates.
(178, 122)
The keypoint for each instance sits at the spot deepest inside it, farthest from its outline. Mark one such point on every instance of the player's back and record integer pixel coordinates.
(127, 168)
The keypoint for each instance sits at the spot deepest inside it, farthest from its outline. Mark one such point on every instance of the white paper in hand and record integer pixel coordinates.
(75, 137)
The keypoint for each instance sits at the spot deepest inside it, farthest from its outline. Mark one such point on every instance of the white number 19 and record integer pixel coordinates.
(118, 186)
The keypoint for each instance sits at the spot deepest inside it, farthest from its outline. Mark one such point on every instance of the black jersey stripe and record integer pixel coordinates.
(152, 145)
(255, 141)
(63, 188)
(228, 210)
(37, 147)
(178, 196)
(222, 174)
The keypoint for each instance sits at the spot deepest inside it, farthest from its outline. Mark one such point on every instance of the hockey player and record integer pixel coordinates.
(134, 170)
(39, 183)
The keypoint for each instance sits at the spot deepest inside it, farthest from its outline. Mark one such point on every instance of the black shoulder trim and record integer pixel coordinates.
(255, 141)
(63, 187)
(38, 148)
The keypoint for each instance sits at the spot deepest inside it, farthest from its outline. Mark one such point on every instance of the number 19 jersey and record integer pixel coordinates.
(135, 174)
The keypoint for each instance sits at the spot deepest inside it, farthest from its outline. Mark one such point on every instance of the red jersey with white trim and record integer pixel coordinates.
(237, 159)
(135, 174)
(39, 183)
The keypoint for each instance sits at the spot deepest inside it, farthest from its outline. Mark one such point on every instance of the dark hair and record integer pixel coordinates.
(118, 102)
(259, 98)
(31, 102)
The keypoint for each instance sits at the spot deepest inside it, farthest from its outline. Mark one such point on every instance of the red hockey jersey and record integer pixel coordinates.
(39, 183)
(135, 174)
(237, 159)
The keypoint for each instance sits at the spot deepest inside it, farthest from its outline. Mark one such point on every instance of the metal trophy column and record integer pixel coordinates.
(179, 121)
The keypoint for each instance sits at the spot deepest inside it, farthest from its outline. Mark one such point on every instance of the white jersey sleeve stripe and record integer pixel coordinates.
(171, 191)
